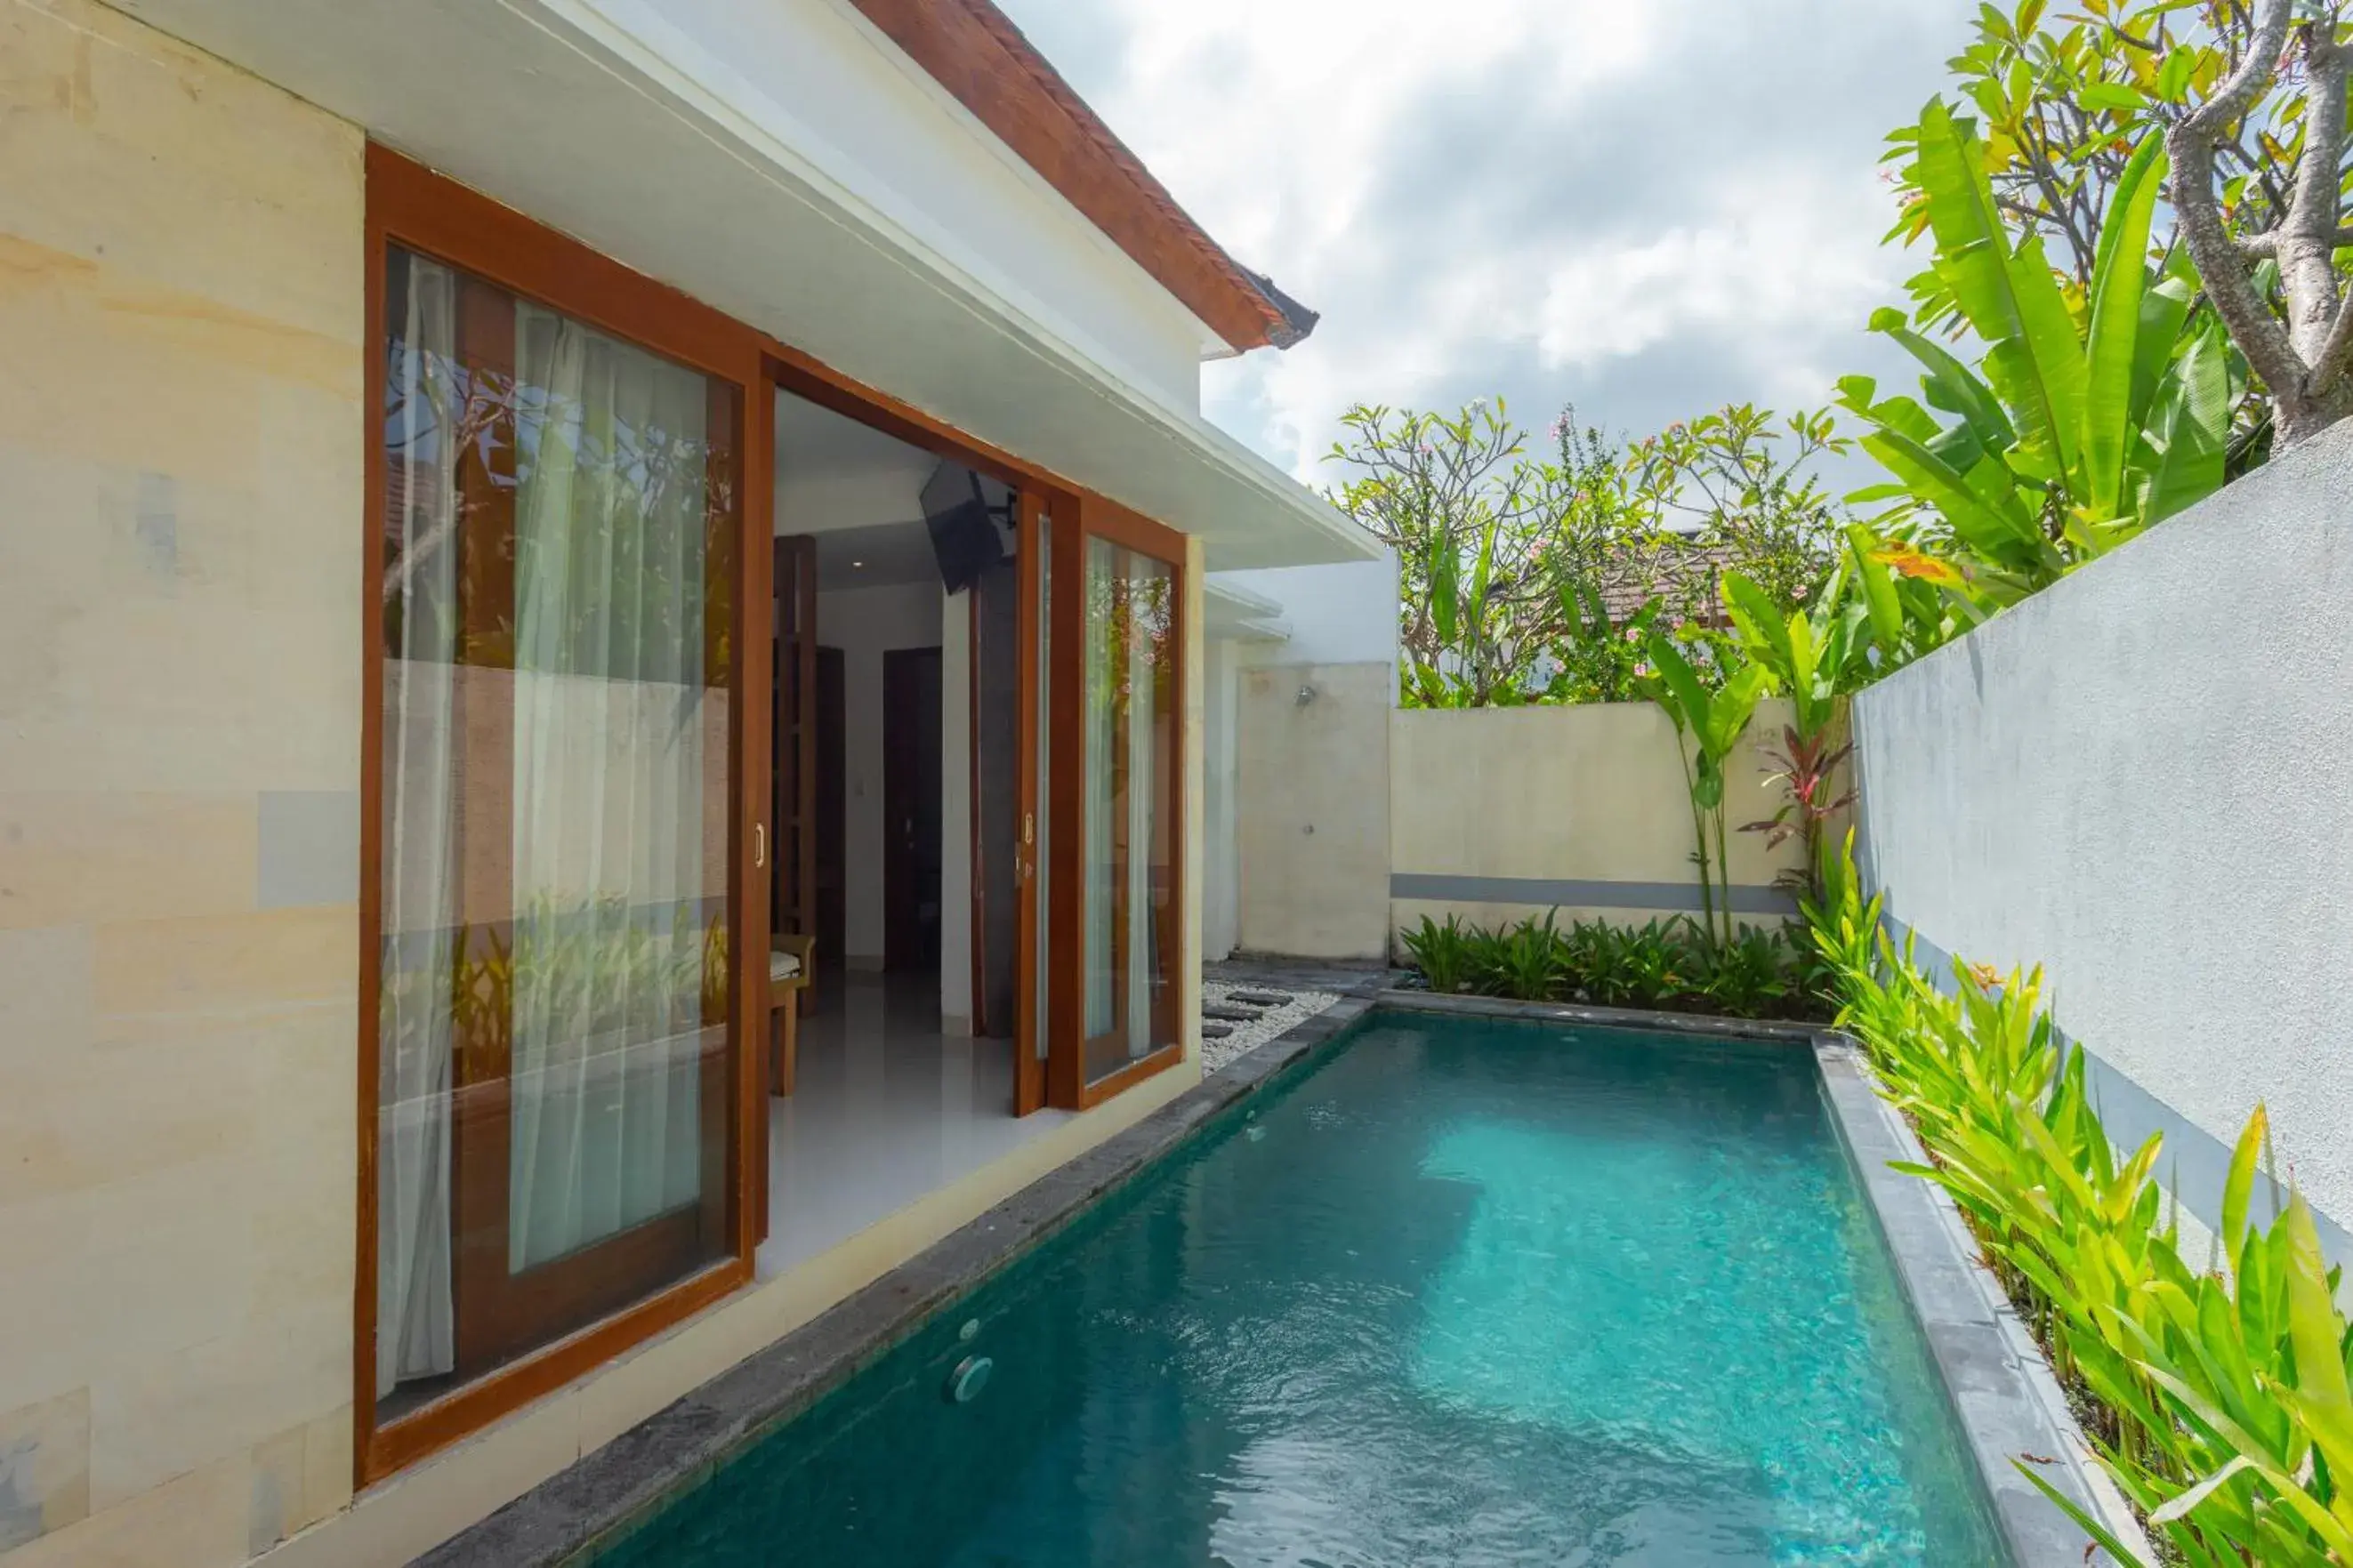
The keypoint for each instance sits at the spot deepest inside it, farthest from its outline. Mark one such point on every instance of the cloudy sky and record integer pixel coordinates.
(1644, 208)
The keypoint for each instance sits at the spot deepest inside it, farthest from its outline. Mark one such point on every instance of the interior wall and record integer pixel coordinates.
(180, 568)
(955, 814)
(866, 623)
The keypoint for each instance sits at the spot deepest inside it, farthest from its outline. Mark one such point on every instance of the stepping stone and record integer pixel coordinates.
(1260, 998)
(1215, 1031)
(1229, 1013)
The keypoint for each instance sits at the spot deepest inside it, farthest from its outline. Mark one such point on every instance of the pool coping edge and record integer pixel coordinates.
(1999, 1381)
(615, 1486)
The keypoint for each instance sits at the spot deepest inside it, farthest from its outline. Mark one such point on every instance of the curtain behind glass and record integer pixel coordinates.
(1105, 698)
(1129, 804)
(427, 402)
(609, 721)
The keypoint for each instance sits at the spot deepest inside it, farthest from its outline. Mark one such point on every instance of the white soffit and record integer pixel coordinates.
(1230, 611)
(593, 117)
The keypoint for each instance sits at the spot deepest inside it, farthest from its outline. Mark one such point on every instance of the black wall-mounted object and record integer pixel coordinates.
(965, 539)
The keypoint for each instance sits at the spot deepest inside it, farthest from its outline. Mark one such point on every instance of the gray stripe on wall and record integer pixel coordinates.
(1746, 899)
(2195, 1165)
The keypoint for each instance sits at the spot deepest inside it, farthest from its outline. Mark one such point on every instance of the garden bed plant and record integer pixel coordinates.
(2218, 1396)
(1666, 965)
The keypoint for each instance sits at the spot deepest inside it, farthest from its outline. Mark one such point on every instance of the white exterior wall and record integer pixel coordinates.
(2140, 779)
(182, 566)
(1345, 613)
(1220, 857)
(1310, 763)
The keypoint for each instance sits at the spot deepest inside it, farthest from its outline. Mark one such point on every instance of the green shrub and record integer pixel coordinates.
(1442, 953)
(1665, 963)
(2220, 1400)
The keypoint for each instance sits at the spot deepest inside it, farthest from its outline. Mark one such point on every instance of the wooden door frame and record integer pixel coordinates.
(1094, 517)
(409, 205)
(421, 212)
(1030, 514)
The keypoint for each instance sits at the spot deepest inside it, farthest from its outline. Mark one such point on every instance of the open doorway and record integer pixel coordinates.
(897, 738)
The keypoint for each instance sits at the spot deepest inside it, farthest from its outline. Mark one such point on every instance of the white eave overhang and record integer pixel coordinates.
(1234, 612)
(599, 119)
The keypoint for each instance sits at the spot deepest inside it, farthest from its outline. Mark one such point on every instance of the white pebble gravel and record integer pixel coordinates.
(1303, 1005)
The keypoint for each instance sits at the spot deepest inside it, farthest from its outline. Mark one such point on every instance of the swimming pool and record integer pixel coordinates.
(1471, 1291)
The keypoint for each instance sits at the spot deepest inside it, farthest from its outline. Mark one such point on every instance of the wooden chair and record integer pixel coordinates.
(792, 966)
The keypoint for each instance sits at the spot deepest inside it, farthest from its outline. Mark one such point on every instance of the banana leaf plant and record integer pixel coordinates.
(2070, 436)
(1712, 722)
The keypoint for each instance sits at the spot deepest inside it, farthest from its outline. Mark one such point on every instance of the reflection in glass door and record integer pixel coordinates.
(559, 572)
(1129, 937)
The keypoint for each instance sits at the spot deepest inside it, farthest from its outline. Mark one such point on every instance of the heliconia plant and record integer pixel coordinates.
(2221, 1399)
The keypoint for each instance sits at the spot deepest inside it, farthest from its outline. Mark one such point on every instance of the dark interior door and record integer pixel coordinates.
(791, 883)
(910, 808)
(832, 816)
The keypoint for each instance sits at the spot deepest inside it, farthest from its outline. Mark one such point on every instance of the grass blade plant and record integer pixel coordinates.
(2218, 1398)
(1664, 963)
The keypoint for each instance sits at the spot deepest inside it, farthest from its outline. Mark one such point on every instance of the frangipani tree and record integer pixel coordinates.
(2279, 289)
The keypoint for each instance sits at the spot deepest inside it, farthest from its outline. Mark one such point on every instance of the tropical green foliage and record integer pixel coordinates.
(1754, 973)
(2063, 95)
(2071, 435)
(1539, 578)
(2218, 1396)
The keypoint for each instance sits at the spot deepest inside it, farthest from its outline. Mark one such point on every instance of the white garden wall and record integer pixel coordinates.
(2141, 779)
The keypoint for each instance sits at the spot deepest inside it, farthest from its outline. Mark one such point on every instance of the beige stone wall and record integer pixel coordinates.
(181, 296)
(1312, 808)
(1592, 796)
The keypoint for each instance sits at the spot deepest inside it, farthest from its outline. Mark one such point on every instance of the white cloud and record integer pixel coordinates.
(1648, 206)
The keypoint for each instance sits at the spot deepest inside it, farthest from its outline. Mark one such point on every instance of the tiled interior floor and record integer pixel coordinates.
(885, 1110)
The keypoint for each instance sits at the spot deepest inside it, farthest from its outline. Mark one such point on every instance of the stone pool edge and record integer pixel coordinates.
(1999, 1383)
(611, 1489)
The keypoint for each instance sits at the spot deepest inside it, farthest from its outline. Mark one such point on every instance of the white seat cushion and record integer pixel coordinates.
(783, 965)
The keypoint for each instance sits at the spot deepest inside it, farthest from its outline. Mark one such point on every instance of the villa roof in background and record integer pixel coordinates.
(974, 51)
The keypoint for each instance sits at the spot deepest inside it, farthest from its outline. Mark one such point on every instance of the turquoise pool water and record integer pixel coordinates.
(1471, 1292)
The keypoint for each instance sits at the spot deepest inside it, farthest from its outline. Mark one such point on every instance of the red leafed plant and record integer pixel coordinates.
(1806, 766)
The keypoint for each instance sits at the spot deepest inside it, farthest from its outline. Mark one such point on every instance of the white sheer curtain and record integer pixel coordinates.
(415, 1331)
(1126, 627)
(609, 892)
(1102, 739)
(1136, 673)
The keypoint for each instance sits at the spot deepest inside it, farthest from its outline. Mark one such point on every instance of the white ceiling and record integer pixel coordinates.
(834, 473)
(887, 554)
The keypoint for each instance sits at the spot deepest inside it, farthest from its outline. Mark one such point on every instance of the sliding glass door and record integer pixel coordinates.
(1118, 783)
(555, 1063)
(1129, 686)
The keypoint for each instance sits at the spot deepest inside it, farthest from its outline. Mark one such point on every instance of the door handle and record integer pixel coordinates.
(759, 845)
